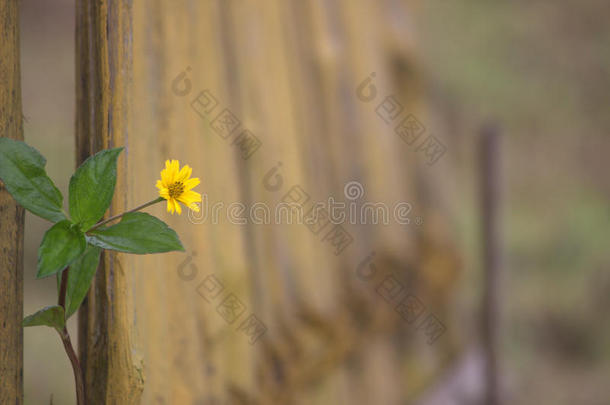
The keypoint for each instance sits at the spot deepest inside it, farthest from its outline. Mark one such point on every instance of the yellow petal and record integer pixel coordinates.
(189, 197)
(191, 183)
(178, 208)
(164, 193)
(170, 206)
(175, 168)
(184, 173)
(168, 175)
(165, 178)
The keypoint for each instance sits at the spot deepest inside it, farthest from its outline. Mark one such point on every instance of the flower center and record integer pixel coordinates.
(176, 189)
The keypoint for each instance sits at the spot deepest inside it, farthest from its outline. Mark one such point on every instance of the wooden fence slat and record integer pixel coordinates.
(11, 215)
(104, 64)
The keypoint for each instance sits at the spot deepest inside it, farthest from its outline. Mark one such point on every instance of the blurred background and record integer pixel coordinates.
(538, 70)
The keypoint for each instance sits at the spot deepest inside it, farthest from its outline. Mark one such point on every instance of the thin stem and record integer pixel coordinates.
(78, 373)
(63, 288)
(65, 338)
(104, 222)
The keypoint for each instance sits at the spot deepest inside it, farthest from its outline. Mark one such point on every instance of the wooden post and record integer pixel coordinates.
(491, 181)
(103, 74)
(11, 215)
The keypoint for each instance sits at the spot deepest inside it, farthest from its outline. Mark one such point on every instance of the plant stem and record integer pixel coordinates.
(63, 288)
(78, 373)
(104, 222)
(65, 339)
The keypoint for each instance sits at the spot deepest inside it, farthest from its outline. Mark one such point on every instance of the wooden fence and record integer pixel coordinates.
(268, 101)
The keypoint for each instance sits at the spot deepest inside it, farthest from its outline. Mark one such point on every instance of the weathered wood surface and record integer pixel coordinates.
(11, 215)
(103, 48)
(288, 70)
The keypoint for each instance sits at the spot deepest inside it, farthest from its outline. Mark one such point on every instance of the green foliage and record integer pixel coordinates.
(22, 171)
(80, 276)
(137, 233)
(61, 245)
(52, 316)
(75, 241)
(92, 187)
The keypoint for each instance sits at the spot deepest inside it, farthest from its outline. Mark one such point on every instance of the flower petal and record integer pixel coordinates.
(166, 177)
(184, 173)
(171, 171)
(189, 197)
(175, 167)
(164, 193)
(191, 183)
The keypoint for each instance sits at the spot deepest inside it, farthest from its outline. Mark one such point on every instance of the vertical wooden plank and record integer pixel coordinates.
(11, 215)
(104, 66)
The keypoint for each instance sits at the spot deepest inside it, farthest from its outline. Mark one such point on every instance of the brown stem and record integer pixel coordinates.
(65, 338)
(78, 374)
(126, 212)
(63, 287)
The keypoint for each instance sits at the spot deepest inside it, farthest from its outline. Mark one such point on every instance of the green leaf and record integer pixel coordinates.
(80, 275)
(138, 233)
(22, 171)
(92, 187)
(52, 316)
(61, 245)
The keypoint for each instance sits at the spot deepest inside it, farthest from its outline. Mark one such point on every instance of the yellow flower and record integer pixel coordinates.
(176, 186)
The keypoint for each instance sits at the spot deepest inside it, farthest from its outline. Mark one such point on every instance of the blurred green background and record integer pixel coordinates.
(541, 70)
